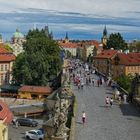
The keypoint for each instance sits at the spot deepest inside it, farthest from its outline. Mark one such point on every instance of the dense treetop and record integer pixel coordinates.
(39, 62)
(116, 41)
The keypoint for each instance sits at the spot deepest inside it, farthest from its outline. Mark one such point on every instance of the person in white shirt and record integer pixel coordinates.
(83, 117)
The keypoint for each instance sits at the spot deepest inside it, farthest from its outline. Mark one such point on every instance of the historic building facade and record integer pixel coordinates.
(126, 64)
(103, 61)
(6, 118)
(17, 42)
(6, 62)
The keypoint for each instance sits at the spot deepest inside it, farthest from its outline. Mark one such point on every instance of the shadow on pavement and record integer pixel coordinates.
(103, 106)
(129, 110)
(131, 119)
(110, 93)
(78, 122)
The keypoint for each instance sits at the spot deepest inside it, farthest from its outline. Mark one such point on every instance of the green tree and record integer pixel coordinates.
(138, 46)
(125, 82)
(68, 54)
(135, 46)
(39, 62)
(117, 42)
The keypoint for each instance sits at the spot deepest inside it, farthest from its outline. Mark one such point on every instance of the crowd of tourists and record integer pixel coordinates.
(82, 75)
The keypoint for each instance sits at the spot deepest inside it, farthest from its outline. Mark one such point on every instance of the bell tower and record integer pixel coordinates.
(104, 37)
(66, 38)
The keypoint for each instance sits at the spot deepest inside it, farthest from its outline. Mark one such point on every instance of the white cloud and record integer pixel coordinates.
(118, 8)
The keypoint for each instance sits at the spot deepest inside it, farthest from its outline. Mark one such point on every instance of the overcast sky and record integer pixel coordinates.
(80, 18)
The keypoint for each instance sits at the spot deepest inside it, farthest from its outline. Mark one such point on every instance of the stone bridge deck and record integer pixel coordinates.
(116, 123)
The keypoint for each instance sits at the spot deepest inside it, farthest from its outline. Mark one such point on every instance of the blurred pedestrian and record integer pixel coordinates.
(93, 81)
(98, 82)
(83, 117)
(17, 124)
(107, 101)
(111, 102)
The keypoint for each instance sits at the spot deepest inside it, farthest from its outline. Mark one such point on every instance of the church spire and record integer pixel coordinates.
(104, 37)
(47, 31)
(105, 31)
(66, 38)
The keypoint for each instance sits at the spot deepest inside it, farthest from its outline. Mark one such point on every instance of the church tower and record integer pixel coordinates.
(66, 38)
(104, 37)
(47, 31)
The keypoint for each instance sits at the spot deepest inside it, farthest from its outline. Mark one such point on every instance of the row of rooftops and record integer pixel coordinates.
(36, 89)
(6, 115)
(5, 55)
(79, 44)
(123, 58)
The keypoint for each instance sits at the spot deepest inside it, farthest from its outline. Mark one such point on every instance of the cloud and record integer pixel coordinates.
(119, 8)
(84, 17)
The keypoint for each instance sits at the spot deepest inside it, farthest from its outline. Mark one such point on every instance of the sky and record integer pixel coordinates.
(84, 19)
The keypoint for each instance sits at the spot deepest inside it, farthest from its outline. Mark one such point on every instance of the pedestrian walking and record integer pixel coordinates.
(107, 101)
(111, 102)
(16, 124)
(87, 81)
(93, 81)
(83, 117)
(98, 83)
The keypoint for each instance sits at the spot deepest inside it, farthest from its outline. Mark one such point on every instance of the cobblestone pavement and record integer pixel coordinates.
(102, 123)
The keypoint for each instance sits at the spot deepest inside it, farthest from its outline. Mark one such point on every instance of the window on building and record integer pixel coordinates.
(2, 78)
(5, 67)
(6, 78)
(1, 67)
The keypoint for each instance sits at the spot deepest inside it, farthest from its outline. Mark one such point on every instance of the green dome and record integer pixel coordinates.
(18, 34)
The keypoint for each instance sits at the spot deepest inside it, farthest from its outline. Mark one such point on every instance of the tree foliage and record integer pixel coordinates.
(125, 82)
(39, 62)
(138, 46)
(135, 46)
(117, 42)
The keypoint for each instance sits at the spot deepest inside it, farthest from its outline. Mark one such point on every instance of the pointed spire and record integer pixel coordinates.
(66, 37)
(105, 31)
(47, 31)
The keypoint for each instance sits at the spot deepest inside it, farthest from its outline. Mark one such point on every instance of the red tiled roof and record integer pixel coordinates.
(95, 43)
(3, 50)
(36, 89)
(129, 59)
(7, 57)
(107, 54)
(68, 45)
(5, 114)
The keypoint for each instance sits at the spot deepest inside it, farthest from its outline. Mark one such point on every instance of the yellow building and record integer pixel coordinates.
(103, 61)
(6, 118)
(88, 49)
(127, 64)
(69, 46)
(34, 92)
